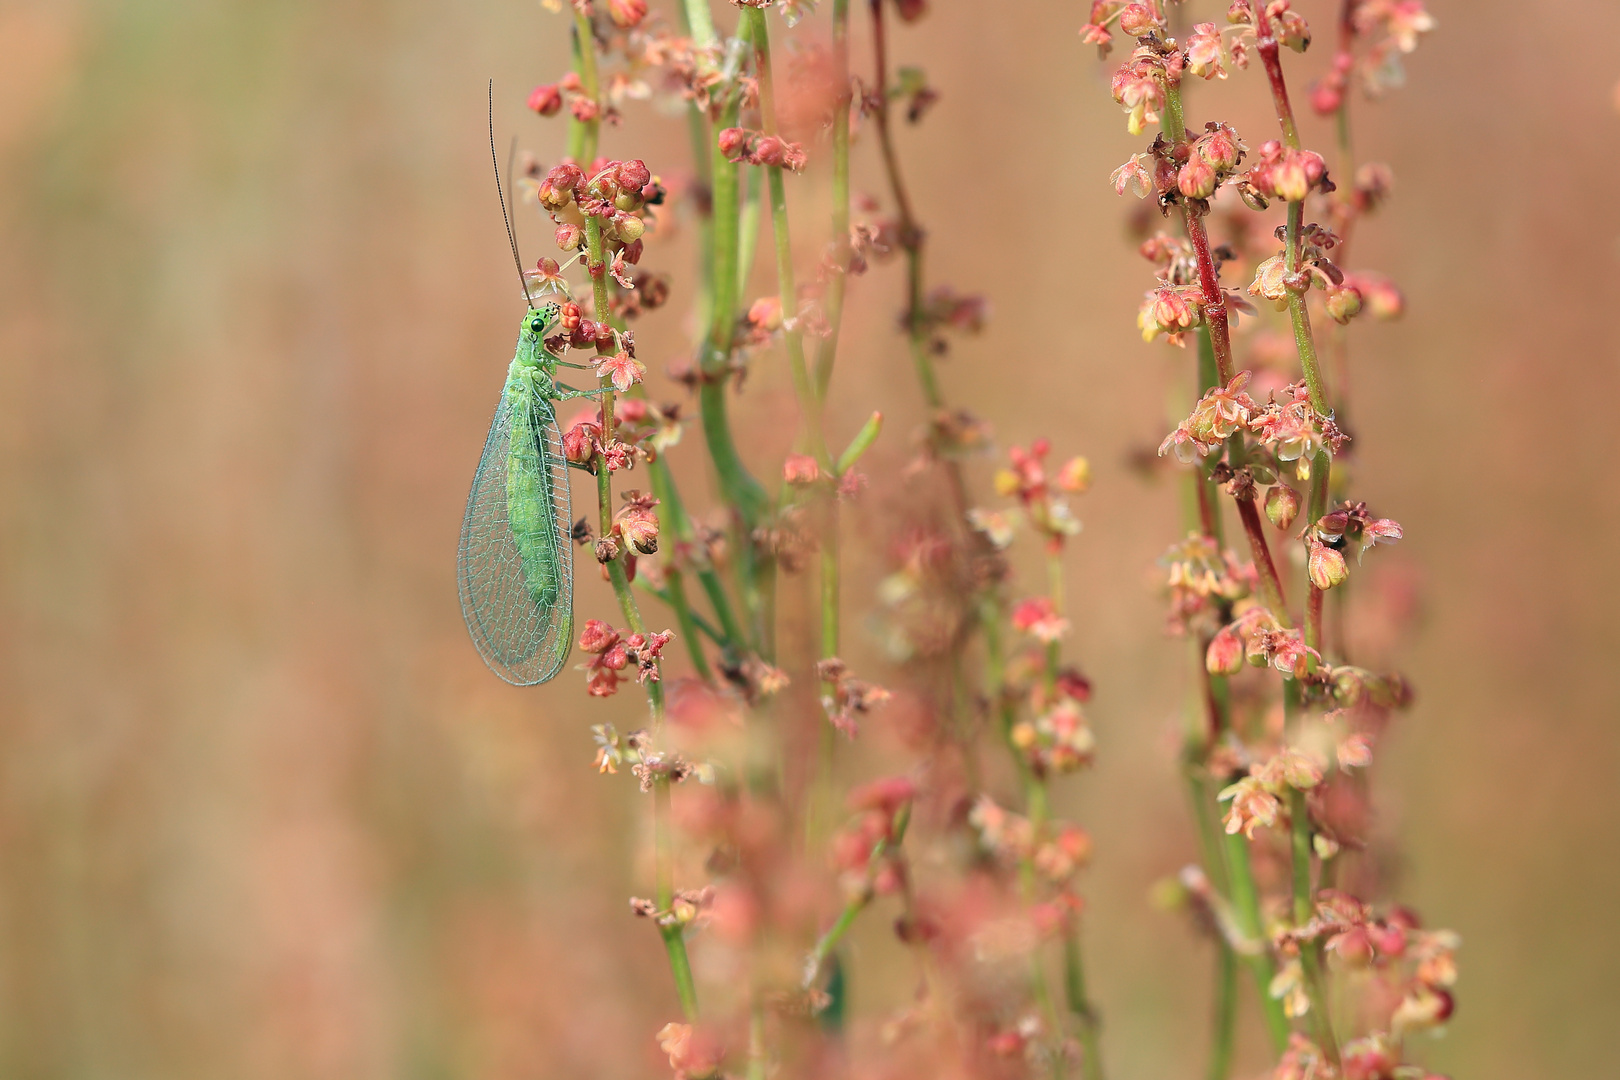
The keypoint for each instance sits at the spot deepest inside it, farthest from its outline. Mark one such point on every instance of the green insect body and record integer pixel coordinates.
(515, 570)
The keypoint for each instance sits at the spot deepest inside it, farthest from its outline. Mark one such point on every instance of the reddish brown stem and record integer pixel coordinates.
(1266, 46)
(1209, 283)
(1271, 587)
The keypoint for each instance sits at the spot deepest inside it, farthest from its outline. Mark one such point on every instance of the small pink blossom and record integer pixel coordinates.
(1039, 617)
(624, 369)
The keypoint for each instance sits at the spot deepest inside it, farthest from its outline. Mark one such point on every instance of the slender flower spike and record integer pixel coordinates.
(624, 369)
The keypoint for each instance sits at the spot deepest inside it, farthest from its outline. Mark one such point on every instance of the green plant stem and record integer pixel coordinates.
(673, 936)
(787, 291)
(1246, 914)
(1224, 1024)
(748, 228)
(1074, 985)
(828, 349)
(806, 390)
(699, 623)
(882, 851)
(741, 492)
(680, 965)
(1310, 956)
(583, 134)
(758, 1056)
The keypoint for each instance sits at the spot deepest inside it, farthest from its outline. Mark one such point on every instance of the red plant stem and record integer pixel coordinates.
(1209, 276)
(911, 238)
(1266, 45)
(1304, 342)
(1220, 339)
(1209, 284)
(1271, 587)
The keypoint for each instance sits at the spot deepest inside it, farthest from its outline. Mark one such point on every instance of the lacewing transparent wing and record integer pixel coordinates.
(518, 598)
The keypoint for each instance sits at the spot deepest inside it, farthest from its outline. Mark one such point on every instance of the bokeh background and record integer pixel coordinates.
(263, 813)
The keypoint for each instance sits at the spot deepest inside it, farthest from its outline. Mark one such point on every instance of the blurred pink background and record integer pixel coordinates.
(263, 813)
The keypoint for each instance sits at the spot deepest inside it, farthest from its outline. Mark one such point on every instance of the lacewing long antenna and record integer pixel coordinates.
(500, 192)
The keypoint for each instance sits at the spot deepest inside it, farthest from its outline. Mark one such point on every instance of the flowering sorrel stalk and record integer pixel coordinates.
(1303, 773)
(1008, 895)
(980, 875)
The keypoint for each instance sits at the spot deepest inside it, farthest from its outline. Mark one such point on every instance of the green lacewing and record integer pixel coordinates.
(515, 563)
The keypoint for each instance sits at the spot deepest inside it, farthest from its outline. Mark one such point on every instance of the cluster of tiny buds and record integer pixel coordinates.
(548, 100)
(847, 698)
(1026, 477)
(613, 653)
(757, 148)
(613, 194)
(1288, 426)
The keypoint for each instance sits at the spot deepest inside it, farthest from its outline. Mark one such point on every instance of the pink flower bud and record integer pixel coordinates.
(1354, 948)
(569, 237)
(766, 313)
(1343, 304)
(1282, 506)
(1221, 148)
(1379, 295)
(1225, 653)
(626, 13)
(1292, 30)
(546, 100)
(569, 317)
(1326, 97)
(552, 197)
(1327, 566)
(629, 227)
(633, 175)
(597, 636)
(733, 141)
(769, 150)
(800, 469)
(1196, 180)
(640, 527)
(1239, 13)
(579, 442)
(1293, 178)
(1138, 20)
